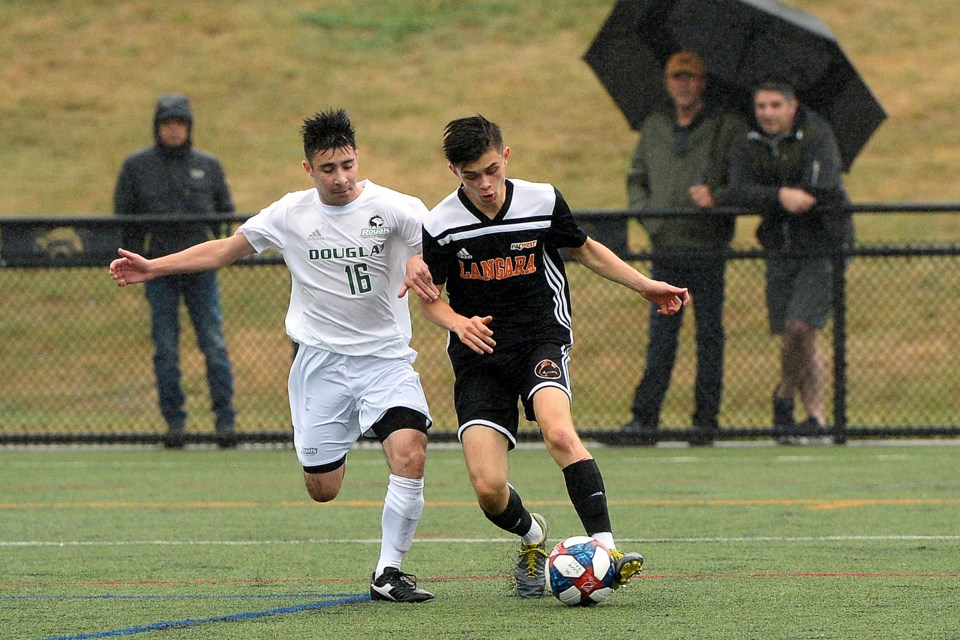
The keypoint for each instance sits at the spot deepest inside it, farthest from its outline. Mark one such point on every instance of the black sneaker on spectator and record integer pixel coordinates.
(784, 424)
(641, 433)
(175, 439)
(812, 428)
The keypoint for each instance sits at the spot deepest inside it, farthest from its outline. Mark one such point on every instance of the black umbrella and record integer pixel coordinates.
(741, 42)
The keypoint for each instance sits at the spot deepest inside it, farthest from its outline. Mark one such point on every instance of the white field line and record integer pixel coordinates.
(251, 543)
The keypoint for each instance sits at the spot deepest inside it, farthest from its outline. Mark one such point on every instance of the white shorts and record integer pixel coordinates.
(336, 399)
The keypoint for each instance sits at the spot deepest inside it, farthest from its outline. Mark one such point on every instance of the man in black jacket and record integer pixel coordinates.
(789, 170)
(173, 179)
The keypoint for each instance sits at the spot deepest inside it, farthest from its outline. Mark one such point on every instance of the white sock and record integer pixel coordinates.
(535, 534)
(606, 539)
(402, 508)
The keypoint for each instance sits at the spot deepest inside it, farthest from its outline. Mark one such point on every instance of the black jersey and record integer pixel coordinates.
(508, 267)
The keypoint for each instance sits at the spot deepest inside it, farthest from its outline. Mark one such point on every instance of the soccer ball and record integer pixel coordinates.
(580, 572)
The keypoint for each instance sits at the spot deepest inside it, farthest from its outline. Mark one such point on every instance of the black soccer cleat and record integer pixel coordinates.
(626, 566)
(395, 586)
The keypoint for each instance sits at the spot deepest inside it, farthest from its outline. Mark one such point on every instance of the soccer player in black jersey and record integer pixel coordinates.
(494, 243)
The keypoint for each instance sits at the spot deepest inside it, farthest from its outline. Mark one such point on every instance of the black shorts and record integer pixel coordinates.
(488, 386)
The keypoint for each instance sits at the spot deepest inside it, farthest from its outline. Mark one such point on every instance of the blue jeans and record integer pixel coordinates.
(201, 294)
(704, 276)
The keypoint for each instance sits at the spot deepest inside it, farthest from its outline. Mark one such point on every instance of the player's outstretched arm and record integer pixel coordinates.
(131, 268)
(604, 262)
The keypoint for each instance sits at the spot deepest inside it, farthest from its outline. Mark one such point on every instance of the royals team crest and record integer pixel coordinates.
(377, 226)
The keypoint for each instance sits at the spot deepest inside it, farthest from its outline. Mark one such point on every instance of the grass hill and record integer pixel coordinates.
(81, 77)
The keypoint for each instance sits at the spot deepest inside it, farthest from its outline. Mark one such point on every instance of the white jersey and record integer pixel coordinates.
(347, 265)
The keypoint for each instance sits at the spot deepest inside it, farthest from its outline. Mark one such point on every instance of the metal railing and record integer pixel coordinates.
(75, 361)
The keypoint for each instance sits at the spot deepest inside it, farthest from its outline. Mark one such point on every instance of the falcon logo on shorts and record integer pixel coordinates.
(376, 228)
(548, 370)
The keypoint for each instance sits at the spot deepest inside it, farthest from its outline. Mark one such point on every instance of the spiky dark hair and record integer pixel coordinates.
(466, 139)
(326, 131)
(776, 84)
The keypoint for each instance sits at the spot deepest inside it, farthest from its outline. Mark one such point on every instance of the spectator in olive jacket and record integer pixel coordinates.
(681, 162)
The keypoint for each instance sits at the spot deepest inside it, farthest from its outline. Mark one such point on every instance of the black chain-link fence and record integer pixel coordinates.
(75, 351)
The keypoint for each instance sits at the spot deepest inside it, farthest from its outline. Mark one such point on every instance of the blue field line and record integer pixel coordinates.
(217, 596)
(190, 622)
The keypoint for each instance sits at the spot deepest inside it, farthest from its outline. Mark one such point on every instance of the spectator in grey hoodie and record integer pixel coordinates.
(172, 179)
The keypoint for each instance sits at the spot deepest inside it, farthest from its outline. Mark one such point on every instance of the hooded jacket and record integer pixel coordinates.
(170, 181)
(668, 160)
(807, 158)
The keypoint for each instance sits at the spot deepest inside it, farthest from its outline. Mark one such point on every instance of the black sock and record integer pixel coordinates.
(587, 493)
(515, 518)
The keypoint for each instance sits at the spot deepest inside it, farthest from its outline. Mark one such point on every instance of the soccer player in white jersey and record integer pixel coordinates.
(346, 243)
(495, 244)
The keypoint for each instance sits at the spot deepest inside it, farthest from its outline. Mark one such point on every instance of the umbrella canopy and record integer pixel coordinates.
(741, 42)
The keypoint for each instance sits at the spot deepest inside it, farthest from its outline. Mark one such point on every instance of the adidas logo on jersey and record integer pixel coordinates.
(315, 235)
(463, 254)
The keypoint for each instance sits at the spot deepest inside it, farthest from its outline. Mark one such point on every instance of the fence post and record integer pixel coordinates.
(839, 346)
